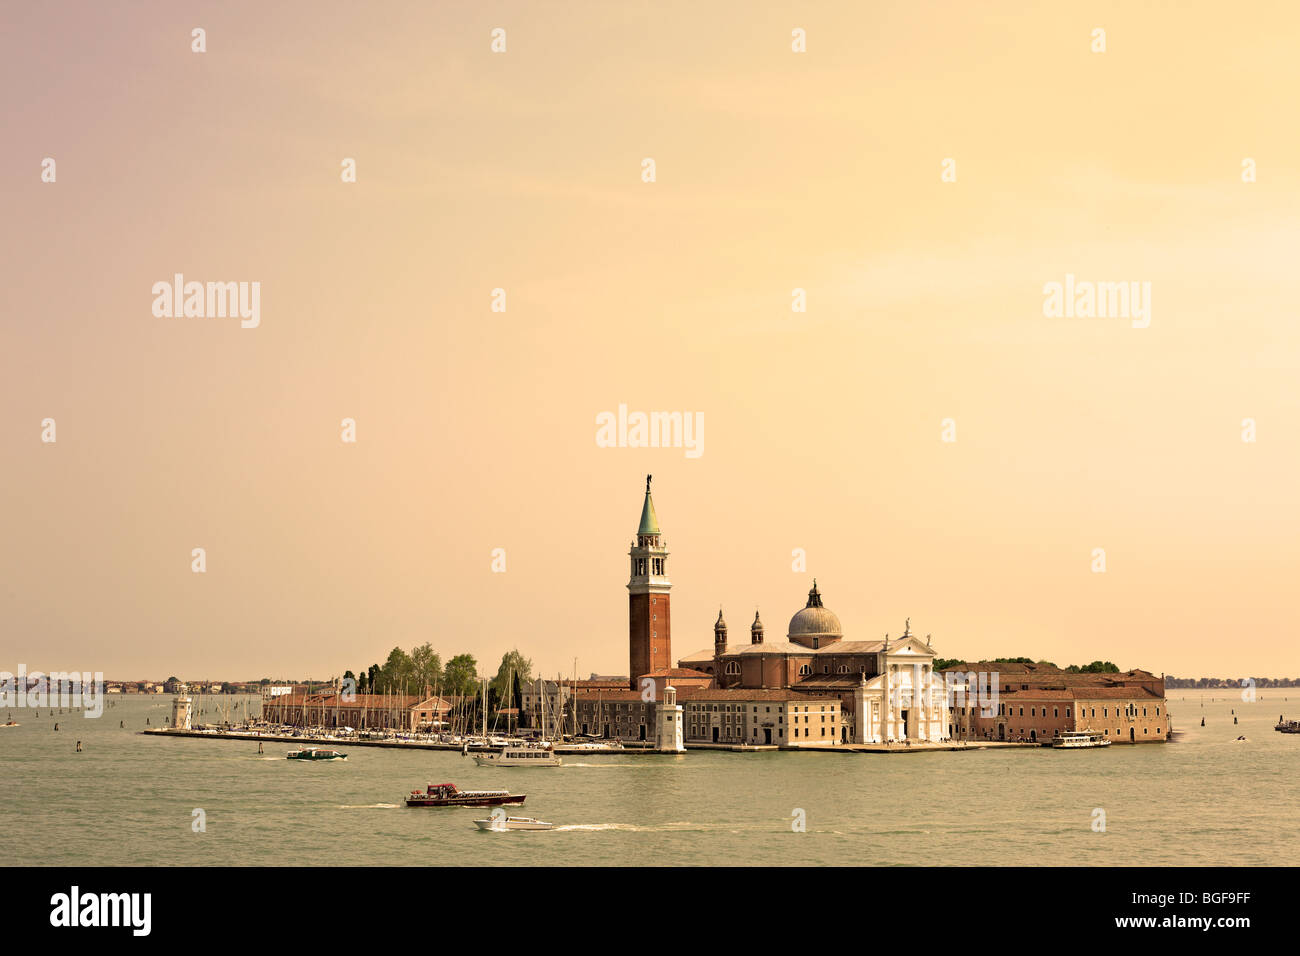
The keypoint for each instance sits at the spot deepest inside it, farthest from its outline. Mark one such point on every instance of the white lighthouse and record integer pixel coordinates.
(182, 709)
(668, 724)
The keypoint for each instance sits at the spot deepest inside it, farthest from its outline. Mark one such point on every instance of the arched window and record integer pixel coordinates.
(733, 667)
(805, 670)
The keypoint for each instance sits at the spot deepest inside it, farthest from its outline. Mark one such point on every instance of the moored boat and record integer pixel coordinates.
(1078, 740)
(592, 746)
(1287, 726)
(449, 795)
(498, 824)
(315, 753)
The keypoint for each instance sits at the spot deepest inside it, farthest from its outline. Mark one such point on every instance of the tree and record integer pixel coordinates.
(516, 694)
(396, 672)
(512, 664)
(460, 676)
(373, 683)
(426, 668)
(1096, 667)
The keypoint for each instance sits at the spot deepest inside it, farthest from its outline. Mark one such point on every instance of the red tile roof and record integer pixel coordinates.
(740, 693)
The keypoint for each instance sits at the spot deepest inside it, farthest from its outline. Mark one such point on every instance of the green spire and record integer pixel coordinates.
(649, 521)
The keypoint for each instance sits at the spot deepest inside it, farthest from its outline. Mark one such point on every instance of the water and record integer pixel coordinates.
(129, 799)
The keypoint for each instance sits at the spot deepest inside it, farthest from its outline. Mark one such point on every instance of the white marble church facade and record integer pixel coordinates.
(905, 701)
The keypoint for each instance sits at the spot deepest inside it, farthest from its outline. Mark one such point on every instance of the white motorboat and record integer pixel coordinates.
(514, 755)
(1078, 739)
(594, 746)
(499, 824)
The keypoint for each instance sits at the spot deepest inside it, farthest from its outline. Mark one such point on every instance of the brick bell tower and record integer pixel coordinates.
(649, 617)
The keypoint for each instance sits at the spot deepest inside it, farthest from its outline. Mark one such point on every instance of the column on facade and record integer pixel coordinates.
(886, 703)
(926, 700)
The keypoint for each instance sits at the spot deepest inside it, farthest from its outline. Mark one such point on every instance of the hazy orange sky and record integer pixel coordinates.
(476, 429)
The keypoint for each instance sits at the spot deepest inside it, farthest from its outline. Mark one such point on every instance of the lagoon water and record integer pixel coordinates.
(129, 799)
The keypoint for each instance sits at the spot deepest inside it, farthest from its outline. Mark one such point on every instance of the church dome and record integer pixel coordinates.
(815, 625)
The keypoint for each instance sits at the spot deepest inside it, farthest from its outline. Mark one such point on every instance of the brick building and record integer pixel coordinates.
(1037, 701)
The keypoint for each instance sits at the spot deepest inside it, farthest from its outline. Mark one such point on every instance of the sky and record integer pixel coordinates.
(933, 443)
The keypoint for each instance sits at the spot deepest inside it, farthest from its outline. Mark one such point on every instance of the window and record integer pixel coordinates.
(805, 670)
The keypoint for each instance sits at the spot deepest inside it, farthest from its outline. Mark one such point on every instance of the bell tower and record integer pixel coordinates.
(649, 617)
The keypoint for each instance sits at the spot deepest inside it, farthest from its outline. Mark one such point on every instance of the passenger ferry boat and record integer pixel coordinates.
(1077, 739)
(448, 795)
(500, 824)
(515, 755)
(315, 753)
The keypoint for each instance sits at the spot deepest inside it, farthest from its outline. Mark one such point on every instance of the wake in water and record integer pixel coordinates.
(369, 806)
(679, 827)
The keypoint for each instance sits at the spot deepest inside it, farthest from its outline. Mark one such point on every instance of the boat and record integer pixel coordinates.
(1287, 726)
(599, 746)
(499, 823)
(449, 795)
(515, 755)
(315, 753)
(10, 724)
(1078, 739)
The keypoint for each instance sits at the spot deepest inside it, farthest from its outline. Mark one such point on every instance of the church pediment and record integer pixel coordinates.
(912, 647)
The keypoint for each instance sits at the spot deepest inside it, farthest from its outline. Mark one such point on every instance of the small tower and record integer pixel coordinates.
(756, 630)
(668, 723)
(719, 637)
(182, 709)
